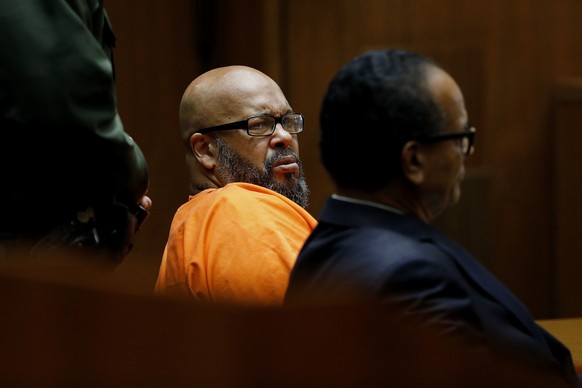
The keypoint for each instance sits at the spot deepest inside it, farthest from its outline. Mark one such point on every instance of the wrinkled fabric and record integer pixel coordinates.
(233, 245)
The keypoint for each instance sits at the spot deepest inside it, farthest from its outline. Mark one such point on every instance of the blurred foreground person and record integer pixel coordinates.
(72, 178)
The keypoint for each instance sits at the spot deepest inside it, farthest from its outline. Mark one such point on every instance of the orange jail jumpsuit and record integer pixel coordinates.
(233, 245)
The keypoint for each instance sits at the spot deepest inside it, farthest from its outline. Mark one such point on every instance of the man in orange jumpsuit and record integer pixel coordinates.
(237, 238)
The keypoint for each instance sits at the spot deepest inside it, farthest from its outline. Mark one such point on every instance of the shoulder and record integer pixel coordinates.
(374, 259)
(243, 201)
(374, 248)
(252, 199)
(244, 197)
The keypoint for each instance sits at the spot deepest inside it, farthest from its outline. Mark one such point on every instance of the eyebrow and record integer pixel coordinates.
(269, 114)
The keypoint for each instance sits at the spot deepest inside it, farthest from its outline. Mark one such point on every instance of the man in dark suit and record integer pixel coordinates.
(394, 138)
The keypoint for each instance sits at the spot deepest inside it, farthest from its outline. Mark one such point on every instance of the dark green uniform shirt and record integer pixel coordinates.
(62, 144)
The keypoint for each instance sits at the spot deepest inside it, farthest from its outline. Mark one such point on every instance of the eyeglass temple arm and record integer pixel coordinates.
(225, 127)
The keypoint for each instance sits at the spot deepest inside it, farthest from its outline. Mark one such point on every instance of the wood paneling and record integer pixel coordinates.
(567, 208)
(505, 55)
(499, 52)
(155, 59)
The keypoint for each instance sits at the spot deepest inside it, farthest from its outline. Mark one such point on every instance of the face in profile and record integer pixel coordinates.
(446, 169)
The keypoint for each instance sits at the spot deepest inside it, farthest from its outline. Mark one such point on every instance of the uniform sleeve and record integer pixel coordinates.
(57, 96)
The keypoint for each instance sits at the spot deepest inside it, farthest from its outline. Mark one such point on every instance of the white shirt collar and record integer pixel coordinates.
(367, 203)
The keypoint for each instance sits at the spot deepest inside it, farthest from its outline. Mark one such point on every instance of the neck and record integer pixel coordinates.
(394, 196)
(200, 181)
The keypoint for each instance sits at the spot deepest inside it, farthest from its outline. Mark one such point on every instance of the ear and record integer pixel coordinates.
(204, 150)
(413, 162)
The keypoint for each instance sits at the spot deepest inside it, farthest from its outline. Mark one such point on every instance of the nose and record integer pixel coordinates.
(280, 138)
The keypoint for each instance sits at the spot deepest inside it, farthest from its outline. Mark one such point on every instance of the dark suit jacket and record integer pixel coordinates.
(360, 252)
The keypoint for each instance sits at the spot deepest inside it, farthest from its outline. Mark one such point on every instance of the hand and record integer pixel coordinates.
(146, 202)
(142, 211)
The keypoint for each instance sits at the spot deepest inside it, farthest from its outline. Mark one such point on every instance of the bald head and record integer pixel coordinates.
(226, 94)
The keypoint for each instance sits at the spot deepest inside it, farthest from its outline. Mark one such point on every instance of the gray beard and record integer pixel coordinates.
(233, 167)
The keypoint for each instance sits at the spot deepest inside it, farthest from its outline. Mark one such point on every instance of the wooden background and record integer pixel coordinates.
(512, 58)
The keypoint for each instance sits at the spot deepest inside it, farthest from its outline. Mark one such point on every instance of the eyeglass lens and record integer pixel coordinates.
(265, 125)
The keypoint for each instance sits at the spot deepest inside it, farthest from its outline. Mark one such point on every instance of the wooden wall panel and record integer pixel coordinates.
(567, 208)
(155, 58)
(499, 52)
(515, 139)
(309, 72)
(505, 55)
(161, 48)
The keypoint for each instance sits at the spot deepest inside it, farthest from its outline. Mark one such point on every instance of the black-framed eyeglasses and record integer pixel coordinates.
(263, 125)
(467, 139)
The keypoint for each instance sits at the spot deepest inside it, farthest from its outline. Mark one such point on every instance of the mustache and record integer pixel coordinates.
(279, 154)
